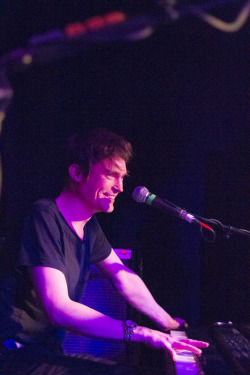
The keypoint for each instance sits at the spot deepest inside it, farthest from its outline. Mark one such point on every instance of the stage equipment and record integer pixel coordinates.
(142, 195)
(100, 295)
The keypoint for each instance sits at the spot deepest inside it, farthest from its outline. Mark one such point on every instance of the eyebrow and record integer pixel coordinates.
(107, 170)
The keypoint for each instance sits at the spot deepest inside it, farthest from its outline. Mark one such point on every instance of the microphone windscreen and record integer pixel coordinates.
(140, 194)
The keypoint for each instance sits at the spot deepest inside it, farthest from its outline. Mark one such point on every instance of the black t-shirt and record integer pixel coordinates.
(47, 241)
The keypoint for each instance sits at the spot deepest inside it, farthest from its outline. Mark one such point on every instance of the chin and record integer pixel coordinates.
(106, 208)
(111, 209)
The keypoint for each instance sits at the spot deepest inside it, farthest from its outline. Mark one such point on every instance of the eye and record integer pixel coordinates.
(110, 174)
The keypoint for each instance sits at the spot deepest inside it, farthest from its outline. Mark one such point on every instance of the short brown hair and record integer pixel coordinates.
(86, 150)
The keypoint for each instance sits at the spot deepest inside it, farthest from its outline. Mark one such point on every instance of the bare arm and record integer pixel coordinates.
(52, 290)
(135, 292)
(51, 287)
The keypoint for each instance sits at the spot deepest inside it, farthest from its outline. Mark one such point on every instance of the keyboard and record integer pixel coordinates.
(234, 347)
(186, 362)
(214, 360)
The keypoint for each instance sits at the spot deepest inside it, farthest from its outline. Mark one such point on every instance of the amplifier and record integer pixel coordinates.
(100, 295)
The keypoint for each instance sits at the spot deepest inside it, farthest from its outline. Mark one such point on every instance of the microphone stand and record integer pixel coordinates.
(226, 230)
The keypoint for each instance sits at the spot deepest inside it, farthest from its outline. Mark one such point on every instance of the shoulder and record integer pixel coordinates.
(44, 206)
(42, 211)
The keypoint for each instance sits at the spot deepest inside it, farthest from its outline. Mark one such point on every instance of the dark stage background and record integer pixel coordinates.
(180, 97)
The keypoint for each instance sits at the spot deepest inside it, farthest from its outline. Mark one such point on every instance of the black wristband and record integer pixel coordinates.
(128, 327)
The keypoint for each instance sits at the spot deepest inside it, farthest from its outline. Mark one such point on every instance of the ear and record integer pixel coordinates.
(75, 172)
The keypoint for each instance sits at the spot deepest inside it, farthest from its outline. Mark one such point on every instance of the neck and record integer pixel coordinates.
(74, 211)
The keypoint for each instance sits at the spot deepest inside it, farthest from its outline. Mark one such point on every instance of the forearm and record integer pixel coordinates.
(86, 321)
(136, 293)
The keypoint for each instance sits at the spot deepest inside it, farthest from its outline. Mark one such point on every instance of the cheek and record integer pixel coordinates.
(103, 184)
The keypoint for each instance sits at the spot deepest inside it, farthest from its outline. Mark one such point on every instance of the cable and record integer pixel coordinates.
(225, 230)
(221, 25)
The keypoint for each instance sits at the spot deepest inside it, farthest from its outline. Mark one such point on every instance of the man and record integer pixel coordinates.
(61, 239)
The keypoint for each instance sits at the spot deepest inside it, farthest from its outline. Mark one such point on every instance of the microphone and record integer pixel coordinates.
(142, 195)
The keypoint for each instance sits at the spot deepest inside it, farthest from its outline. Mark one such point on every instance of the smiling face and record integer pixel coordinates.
(104, 182)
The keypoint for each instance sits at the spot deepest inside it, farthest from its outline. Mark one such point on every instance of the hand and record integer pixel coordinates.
(173, 323)
(182, 323)
(160, 340)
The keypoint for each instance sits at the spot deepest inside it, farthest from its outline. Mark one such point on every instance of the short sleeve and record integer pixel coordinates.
(41, 243)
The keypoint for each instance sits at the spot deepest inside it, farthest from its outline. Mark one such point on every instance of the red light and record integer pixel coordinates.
(95, 23)
(115, 17)
(75, 29)
(205, 226)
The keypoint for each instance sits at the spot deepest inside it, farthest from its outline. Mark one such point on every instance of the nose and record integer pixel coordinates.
(119, 185)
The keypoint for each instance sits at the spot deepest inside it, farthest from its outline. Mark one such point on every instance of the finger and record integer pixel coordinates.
(199, 344)
(171, 351)
(188, 347)
(182, 323)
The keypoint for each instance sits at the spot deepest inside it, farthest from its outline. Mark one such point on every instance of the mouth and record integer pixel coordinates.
(111, 197)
